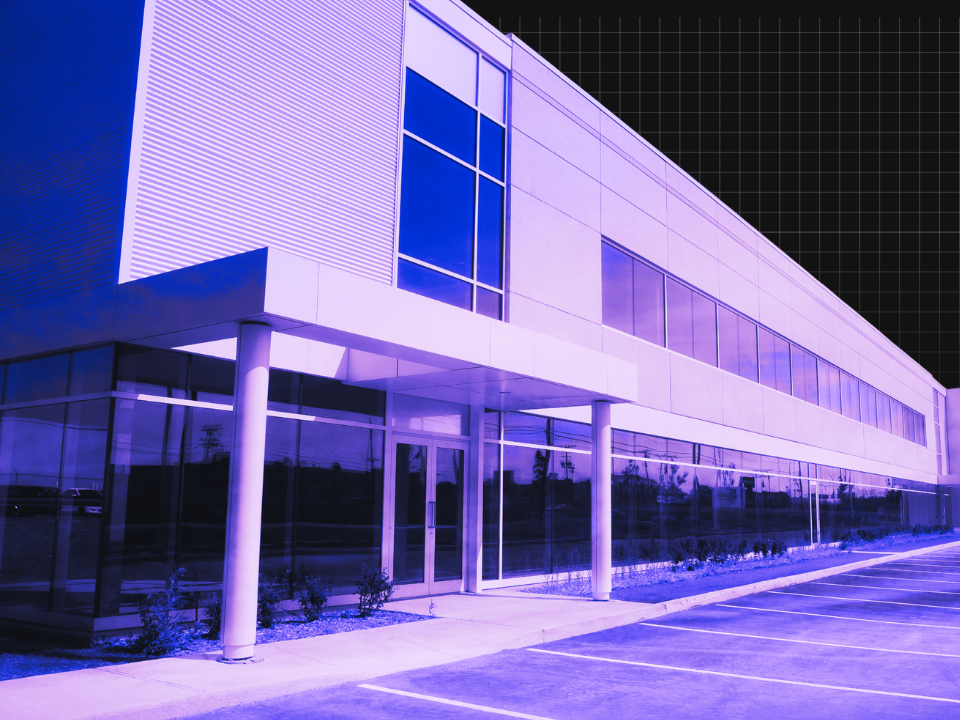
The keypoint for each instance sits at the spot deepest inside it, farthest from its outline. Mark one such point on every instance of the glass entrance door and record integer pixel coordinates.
(428, 515)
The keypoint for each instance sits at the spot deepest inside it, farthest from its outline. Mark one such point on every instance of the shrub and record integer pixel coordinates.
(677, 554)
(213, 606)
(741, 550)
(761, 547)
(722, 549)
(778, 547)
(312, 595)
(374, 589)
(702, 552)
(270, 594)
(162, 635)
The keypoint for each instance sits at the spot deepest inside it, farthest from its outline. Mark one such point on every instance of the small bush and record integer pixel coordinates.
(677, 554)
(722, 548)
(778, 547)
(161, 634)
(213, 606)
(761, 547)
(270, 594)
(374, 589)
(702, 552)
(921, 529)
(741, 550)
(312, 594)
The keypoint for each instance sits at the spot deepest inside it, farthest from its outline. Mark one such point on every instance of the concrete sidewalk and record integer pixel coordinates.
(467, 626)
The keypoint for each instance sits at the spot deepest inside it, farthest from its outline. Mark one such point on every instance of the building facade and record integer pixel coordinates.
(306, 288)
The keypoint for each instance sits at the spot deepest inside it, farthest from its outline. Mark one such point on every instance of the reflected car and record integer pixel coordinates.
(26, 500)
(82, 500)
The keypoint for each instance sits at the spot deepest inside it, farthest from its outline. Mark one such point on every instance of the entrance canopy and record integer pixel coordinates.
(365, 332)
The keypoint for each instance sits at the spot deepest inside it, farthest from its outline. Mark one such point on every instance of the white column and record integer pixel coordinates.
(473, 500)
(601, 508)
(241, 565)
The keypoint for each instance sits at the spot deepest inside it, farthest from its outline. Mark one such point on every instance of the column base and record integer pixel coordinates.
(239, 655)
(601, 597)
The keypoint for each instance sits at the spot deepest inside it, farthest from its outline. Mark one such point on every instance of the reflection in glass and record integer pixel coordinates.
(410, 499)
(868, 405)
(648, 303)
(152, 372)
(774, 361)
(434, 285)
(804, 375)
(616, 288)
(211, 379)
(329, 398)
(850, 396)
(279, 493)
(439, 118)
(737, 344)
(447, 555)
(428, 415)
(491, 148)
(883, 411)
(436, 209)
(37, 379)
(489, 303)
(691, 323)
(339, 502)
(91, 370)
(491, 511)
(491, 424)
(490, 234)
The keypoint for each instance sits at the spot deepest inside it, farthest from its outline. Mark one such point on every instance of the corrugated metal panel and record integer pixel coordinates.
(270, 124)
(68, 73)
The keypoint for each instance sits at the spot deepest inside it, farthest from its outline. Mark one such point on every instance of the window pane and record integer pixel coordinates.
(283, 392)
(850, 396)
(211, 379)
(428, 415)
(329, 398)
(91, 370)
(782, 351)
(883, 412)
(823, 383)
(491, 424)
(491, 511)
(439, 118)
(436, 209)
(490, 234)
(679, 318)
(704, 329)
(804, 375)
(152, 372)
(492, 82)
(431, 284)
(520, 427)
(37, 379)
(617, 288)
(728, 342)
(648, 303)
(833, 375)
(768, 360)
(491, 148)
(488, 303)
(896, 418)
(748, 349)
(810, 377)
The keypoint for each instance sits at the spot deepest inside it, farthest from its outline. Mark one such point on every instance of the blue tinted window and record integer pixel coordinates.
(704, 329)
(488, 303)
(804, 375)
(490, 233)
(432, 284)
(491, 148)
(748, 349)
(729, 343)
(436, 209)
(91, 371)
(648, 303)
(679, 318)
(616, 288)
(37, 379)
(439, 118)
(849, 396)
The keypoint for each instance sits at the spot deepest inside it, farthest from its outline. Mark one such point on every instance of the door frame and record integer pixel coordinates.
(428, 586)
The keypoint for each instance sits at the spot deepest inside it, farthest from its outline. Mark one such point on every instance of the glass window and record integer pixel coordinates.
(774, 361)
(489, 303)
(284, 391)
(491, 424)
(432, 284)
(425, 414)
(648, 303)
(3, 370)
(523, 428)
(329, 398)
(568, 434)
(436, 209)
(152, 372)
(439, 118)
(804, 375)
(490, 234)
(91, 370)
(491, 148)
(491, 511)
(211, 379)
(37, 379)
(679, 318)
(748, 349)
(617, 288)
(704, 329)
(850, 396)
(492, 82)
(896, 418)
(883, 412)
(828, 378)
(728, 343)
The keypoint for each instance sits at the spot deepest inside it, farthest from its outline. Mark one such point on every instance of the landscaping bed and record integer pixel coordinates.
(660, 582)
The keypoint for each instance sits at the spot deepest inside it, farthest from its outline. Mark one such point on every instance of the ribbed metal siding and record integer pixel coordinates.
(68, 73)
(270, 124)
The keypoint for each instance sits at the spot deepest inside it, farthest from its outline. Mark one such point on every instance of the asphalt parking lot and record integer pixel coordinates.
(882, 642)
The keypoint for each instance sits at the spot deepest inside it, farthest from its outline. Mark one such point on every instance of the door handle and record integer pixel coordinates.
(431, 514)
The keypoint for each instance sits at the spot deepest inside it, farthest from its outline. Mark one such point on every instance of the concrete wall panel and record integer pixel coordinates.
(738, 292)
(692, 264)
(696, 390)
(779, 414)
(634, 229)
(809, 424)
(742, 403)
(632, 184)
(687, 222)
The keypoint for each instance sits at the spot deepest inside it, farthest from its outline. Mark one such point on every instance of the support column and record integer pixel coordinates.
(241, 565)
(473, 496)
(601, 508)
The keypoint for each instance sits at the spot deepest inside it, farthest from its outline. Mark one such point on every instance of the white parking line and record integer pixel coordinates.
(804, 642)
(748, 677)
(457, 703)
(882, 602)
(884, 577)
(838, 617)
(924, 572)
(873, 587)
(932, 572)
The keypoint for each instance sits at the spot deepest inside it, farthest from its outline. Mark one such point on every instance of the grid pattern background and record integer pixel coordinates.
(838, 140)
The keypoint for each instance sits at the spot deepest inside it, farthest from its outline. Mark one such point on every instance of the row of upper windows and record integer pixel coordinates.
(647, 303)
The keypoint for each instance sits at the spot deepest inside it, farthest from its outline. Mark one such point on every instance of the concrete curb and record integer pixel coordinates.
(178, 687)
